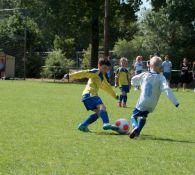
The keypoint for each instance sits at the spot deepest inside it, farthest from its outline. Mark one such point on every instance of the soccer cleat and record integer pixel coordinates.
(124, 105)
(110, 127)
(83, 128)
(119, 104)
(134, 133)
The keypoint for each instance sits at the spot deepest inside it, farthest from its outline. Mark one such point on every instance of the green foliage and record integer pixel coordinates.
(66, 45)
(12, 39)
(39, 134)
(57, 64)
(123, 48)
(86, 58)
(160, 33)
(131, 49)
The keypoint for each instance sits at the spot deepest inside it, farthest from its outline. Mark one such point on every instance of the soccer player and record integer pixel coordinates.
(122, 79)
(138, 66)
(152, 84)
(184, 74)
(96, 80)
(167, 67)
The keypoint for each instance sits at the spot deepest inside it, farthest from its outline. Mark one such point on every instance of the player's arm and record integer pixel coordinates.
(116, 77)
(136, 80)
(80, 75)
(108, 88)
(165, 88)
(129, 77)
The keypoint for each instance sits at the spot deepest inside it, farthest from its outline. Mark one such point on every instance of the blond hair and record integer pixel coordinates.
(156, 61)
(123, 59)
(138, 58)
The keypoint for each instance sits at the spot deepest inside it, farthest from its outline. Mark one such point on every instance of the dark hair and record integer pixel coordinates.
(103, 61)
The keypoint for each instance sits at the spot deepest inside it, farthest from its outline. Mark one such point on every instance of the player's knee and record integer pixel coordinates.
(96, 111)
(102, 107)
(143, 117)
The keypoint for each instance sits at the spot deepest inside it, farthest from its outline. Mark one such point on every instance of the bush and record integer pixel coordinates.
(123, 48)
(56, 65)
(86, 58)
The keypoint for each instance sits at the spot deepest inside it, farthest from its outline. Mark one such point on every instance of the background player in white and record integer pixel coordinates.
(167, 67)
(152, 84)
(138, 66)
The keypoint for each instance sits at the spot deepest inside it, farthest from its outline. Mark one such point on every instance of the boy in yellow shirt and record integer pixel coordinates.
(96, 80)
(122, 80)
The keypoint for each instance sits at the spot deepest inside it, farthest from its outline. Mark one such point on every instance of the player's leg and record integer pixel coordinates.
(138, 126)
(104, 116)
(90, 104)
(120, 99)
(141, 123)
(125, 91)
(134, 117)
(184, 86)
(91, 119)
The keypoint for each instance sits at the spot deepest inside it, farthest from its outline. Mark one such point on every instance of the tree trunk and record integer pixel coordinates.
(95, 33)
(106, 29)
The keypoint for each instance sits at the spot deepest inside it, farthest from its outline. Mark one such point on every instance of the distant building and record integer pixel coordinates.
(7, 66)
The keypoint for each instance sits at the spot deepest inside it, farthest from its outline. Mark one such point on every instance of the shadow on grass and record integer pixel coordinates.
(151, 137)
(145, 137)
(109, 133)
(129, 107)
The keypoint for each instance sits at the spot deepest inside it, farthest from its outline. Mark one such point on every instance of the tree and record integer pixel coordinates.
(158, 33)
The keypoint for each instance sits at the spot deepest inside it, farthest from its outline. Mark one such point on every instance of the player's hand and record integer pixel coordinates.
(66, 76)
(177, 105)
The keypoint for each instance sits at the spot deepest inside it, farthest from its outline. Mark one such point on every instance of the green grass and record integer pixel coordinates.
(38, 126)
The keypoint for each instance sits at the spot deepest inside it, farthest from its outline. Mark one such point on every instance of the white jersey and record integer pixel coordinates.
(167, 66)
(152, 84)
(138, 66)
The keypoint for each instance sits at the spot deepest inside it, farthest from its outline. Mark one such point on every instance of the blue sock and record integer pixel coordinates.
(120, 98)
(125, 98)
(104, 116)
(92, 118)
(141, 123)
(134, 122)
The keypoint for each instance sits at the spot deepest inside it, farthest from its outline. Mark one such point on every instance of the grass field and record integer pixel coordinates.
(38, 126)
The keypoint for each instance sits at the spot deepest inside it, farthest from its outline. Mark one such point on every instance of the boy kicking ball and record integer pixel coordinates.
(96, 80)
(152, 84)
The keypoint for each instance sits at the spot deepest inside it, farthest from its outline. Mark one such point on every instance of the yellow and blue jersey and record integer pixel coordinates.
(96, 80)
(122, 76)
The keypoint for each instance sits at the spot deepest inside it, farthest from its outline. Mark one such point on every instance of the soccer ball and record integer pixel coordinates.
(123, 125)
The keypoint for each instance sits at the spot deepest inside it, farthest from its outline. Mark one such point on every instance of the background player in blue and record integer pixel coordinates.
(122, 80)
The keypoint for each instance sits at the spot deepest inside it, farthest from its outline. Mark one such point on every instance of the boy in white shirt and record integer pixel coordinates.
(152, 84)
(138, 66)
(167, 67)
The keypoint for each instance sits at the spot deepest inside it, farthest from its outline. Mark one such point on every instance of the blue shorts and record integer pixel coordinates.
(138, 72)
(167, 75)
(124, 88)
(138, 113)
(91, 103)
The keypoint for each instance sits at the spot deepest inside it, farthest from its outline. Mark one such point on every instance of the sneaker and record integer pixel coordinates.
(124, 105)
(119, 104)
(110, 127)
(83, 128)
(134, 133)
